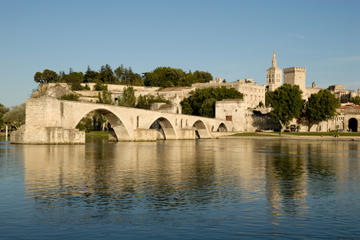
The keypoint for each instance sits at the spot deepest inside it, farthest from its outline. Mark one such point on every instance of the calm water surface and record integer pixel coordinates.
(205, 189)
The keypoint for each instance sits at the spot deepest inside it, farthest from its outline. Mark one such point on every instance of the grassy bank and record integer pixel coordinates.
(345, 134)
(307, 134)
(255, 134)
(97, 134)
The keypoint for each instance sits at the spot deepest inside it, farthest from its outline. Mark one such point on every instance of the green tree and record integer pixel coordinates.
(286, 103)
(47, 76)
(355, 100)
(174, 77)
(74, 79)
(202, 77)
(164, 77)
(106, 75)
(38, 77)
(208, 108)
(128, 99)
(145, 102)
(99, 86)
(15, 117)
(119, 72)
(320, 107)
(3, 110)
(93, 121)
(104, 97)
(70, 97)
(128, 77)
(196, 101)
(91, 76)
(186, 107)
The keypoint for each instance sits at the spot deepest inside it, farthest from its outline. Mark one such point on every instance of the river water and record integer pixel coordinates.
(203, 189)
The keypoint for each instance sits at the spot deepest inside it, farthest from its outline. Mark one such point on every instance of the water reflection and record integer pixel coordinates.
(280, 176)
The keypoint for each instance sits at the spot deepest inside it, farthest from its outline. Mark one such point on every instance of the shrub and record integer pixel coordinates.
(70, 97)
(100, 86)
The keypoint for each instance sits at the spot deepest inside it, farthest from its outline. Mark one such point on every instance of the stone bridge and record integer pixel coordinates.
(53, 121)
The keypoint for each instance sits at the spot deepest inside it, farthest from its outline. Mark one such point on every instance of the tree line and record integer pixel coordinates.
(159, 77)
(287, 104)
(13, 117)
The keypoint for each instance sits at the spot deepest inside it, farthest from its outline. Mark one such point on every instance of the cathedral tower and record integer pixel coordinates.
(273, 75)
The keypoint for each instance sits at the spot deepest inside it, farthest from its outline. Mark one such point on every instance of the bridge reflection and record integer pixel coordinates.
(281, 177)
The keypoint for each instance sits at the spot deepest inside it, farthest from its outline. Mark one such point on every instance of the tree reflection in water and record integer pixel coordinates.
(108, 179)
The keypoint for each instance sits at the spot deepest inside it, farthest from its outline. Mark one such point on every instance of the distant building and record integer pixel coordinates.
(341, 92)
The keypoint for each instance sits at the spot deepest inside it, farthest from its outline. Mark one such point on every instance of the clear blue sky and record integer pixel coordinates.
(231, 39)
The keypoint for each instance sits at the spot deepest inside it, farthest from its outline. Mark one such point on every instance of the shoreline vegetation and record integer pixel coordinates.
(289, 134)
(348, 136)
(97, 134)
(318, 136)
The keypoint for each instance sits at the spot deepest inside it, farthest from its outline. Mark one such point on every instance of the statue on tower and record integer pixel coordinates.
(274, 63)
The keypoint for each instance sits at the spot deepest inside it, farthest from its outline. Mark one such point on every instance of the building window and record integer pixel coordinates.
(228, 118)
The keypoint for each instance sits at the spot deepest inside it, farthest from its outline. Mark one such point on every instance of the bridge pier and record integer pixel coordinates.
(47, 135)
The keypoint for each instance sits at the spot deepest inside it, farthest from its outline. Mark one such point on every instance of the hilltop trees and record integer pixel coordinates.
(201, 102)
(46, 76)
(127, 77)
(164, 77)
(159, 77)
(286, 103)
(320, 107)
(90, 75)
(106, 75)
(174, 77)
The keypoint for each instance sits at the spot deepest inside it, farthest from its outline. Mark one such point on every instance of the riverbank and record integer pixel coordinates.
(97, 134)
(318, 136)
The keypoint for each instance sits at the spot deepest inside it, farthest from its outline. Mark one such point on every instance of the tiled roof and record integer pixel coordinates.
(350, 105)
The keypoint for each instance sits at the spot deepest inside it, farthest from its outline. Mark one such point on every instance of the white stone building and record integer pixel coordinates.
(252, 91)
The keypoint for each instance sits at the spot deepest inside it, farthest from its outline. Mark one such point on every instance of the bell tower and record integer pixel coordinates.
(273, 75)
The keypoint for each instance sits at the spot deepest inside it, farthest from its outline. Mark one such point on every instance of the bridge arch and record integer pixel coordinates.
(201, 130)
(118, 128)
(353, 124)
(164, 127)
(222, 128)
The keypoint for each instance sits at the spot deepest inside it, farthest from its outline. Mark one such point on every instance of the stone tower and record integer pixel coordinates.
(295, 76)
(273, 75)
